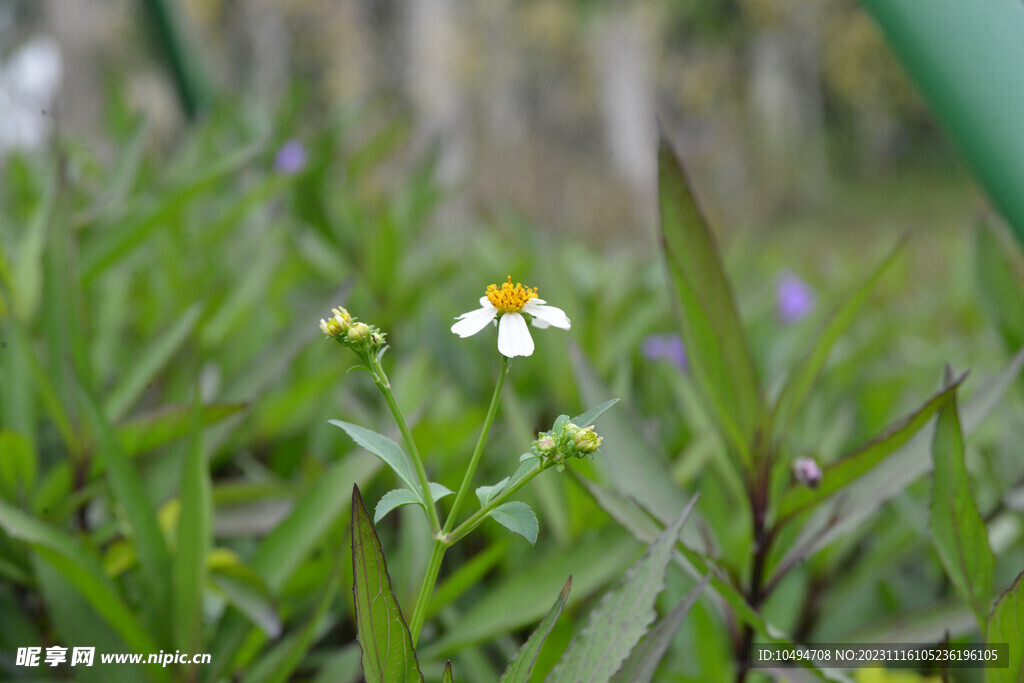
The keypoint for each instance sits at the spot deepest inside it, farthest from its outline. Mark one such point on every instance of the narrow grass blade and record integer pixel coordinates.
(623, 615)
(384, 638)
(150, 361)
(644, 659)
(18, 466)
(521, 666)
(802, 379)
(517, 517)
(645, 529)
(710, 324)
(588, 418)
(1000, 277)
(847, 470)
(1006, 625)
(195, 534)
(83, 570)
(246, 591)
(279, 664)
(288, 545)
(146, 534)
(150, 430)
(644, 475)
(516, 601)
(848, 509)
(958, 531)
(466, 576)
(385, 449)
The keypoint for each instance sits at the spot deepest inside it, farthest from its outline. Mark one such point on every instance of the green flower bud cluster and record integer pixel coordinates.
(358, 336)
(566, 440)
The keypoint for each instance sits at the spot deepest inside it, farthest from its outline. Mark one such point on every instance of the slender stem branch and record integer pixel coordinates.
(467, 479)
(419, 612)
(463, 529)
(381, 380)
(442, 539)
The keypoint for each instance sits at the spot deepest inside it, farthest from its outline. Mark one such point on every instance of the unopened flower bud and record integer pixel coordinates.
(807, 472)
(586, 440)
(359, 335)
(546, 444)
(331, 328)
(343, 318)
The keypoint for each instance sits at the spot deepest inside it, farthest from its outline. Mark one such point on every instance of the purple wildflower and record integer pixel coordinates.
(291, 157)
(794, 298)
(807, 472)
(666, 347)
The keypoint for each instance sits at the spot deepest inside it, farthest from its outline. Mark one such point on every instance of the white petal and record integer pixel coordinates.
(514, 336)
(546, 315)
(474, 321)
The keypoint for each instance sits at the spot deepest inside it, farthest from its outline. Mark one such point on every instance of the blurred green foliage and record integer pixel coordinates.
(165, 391)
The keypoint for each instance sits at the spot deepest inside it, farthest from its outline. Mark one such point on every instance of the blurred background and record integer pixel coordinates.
(546, 106)
(186, 188)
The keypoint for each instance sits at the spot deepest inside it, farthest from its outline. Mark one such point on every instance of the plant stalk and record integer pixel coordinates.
(381, 380)
(467, 480)
(443, 540)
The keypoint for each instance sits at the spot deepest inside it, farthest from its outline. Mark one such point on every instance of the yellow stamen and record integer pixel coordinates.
(510, 298)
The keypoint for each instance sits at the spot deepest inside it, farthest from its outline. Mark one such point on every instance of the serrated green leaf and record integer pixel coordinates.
(588, 418)
(391, 500)
(521, 666)
(958, 531)
(803, 377)
(398, 497)
(848, 509)
(486, 493)
(384, 638)
(710, 324)
(850, 468)
(1006, 625)
(517, 517)
(645, 529)
(385, 449)
(516, 601)
(643, 660)
(623, 615)
(439, 491)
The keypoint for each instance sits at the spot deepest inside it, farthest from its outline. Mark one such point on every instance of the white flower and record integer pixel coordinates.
(507, 303)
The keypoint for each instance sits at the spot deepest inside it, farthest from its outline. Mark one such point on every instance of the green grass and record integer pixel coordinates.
(158, 322)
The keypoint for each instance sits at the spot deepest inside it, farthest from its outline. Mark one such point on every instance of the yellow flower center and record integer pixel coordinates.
(510, 298)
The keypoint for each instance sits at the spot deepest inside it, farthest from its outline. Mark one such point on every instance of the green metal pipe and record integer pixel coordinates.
(967, 59)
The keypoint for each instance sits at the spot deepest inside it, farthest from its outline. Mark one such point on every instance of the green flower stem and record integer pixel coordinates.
(419, 612)
(381, 380)
(441, 540)
(463, 529)
(467, 480)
